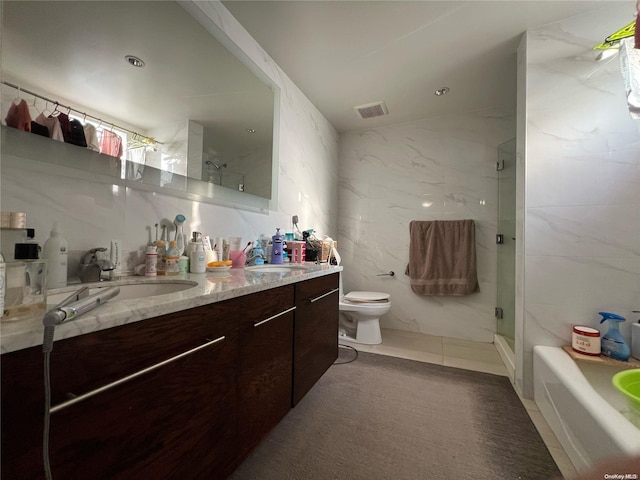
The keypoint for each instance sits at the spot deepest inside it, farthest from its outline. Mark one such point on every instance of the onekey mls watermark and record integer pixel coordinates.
(620, 476)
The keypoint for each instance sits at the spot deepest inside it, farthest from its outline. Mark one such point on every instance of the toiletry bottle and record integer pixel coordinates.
(162, 258)
(276, 247)
(173, 259)
(613, 344)
(151, 261)
(55, 251)
(198, 260)
(635, 338)
(3, 281)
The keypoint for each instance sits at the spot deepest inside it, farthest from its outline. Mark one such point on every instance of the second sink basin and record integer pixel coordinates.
(272, 268)
(127, 291)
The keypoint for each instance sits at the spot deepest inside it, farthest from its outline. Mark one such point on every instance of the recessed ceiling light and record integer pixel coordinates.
(135, 61)
(441, 91)
(251, 130)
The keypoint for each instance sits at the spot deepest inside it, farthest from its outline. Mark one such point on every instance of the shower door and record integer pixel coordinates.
(505, 306)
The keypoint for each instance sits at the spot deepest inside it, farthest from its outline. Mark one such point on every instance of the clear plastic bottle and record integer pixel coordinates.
(55, 251)
(173, 259)
(162, 258)
(151, 261)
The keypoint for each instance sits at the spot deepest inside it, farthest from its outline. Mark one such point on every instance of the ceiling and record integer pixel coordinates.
(343, 54)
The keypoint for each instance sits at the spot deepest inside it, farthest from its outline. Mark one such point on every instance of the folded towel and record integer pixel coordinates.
(442, 257)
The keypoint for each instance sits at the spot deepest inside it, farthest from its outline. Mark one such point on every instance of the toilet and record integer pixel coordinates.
(360, 314)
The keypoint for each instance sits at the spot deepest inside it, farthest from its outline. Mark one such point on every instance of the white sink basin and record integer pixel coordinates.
(271, 268)
(127, 292)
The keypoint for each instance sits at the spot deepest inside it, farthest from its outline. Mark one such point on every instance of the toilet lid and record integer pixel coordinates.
(367, 297)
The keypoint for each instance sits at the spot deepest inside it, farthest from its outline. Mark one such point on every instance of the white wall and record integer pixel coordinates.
(579, 186)
(92, 212)
(386, 175)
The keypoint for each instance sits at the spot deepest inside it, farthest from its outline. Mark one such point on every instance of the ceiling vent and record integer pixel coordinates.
(371, 110)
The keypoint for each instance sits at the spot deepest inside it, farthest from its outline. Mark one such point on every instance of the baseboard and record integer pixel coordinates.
(506, 355)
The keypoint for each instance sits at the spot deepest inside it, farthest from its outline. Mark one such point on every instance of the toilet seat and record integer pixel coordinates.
(366, 297)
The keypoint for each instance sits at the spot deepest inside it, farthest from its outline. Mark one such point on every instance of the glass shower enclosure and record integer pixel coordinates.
(506, 242)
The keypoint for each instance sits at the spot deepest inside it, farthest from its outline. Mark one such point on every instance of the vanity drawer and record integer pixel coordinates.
(260, 306)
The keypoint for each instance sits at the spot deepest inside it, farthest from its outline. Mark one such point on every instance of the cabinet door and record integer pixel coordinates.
(86, 362)
(266, 351)
(315, 332)
(175, 421)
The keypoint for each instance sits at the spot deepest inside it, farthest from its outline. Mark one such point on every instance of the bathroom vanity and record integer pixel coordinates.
(185, 394)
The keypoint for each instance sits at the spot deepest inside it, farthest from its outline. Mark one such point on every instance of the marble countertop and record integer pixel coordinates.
(207, 288)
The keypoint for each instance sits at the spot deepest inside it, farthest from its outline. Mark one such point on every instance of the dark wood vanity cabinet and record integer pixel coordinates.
(265, 369)
(184, 395)
(175, 419)
(315, 345)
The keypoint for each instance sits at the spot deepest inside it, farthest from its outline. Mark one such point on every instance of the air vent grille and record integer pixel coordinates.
(371, 110)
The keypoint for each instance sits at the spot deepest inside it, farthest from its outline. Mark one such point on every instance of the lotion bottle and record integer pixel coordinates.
(55, 251)
(198, 260)
(277, 248)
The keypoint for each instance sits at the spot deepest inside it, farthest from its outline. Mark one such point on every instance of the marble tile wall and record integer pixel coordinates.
(579, 188)
(92, 211)
(440, 168)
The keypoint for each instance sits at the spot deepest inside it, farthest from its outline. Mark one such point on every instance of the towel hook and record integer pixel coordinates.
(391, 274)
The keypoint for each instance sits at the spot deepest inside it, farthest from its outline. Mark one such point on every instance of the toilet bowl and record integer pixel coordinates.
(360, 314)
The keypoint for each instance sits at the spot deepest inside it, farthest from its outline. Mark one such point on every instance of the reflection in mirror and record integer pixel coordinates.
(209, 118)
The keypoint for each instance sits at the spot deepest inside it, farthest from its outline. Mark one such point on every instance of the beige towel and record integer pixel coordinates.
(442, 257)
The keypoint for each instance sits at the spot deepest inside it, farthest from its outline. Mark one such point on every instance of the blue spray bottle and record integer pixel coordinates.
(613, 344)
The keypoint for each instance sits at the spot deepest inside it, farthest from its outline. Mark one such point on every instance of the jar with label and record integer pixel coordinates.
(173, 258)
(151, 261)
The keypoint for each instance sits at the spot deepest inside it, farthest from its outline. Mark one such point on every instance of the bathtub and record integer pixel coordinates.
(588, 415)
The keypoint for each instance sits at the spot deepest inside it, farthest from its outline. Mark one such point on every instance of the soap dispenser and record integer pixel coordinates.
(277, 246)
(613, 344)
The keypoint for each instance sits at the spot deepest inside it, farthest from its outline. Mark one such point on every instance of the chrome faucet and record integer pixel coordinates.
(252, 259)
(91, 267)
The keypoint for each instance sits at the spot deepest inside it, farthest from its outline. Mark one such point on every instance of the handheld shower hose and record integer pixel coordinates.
(69, 309)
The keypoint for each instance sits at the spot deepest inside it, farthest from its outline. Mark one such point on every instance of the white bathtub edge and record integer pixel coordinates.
(611, 429)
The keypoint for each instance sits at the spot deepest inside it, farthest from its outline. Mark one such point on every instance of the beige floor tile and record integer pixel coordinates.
(469, 350)
(475, 365)
(412, 341)
(426, 357)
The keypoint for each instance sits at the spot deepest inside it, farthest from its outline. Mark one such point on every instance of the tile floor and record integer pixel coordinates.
(476, 356)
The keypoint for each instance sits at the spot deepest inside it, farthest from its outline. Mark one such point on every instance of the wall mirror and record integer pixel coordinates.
(212, 117)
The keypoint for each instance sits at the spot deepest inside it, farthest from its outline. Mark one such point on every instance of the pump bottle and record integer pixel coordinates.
(613, 343)
(277, 246)
(55, 251)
